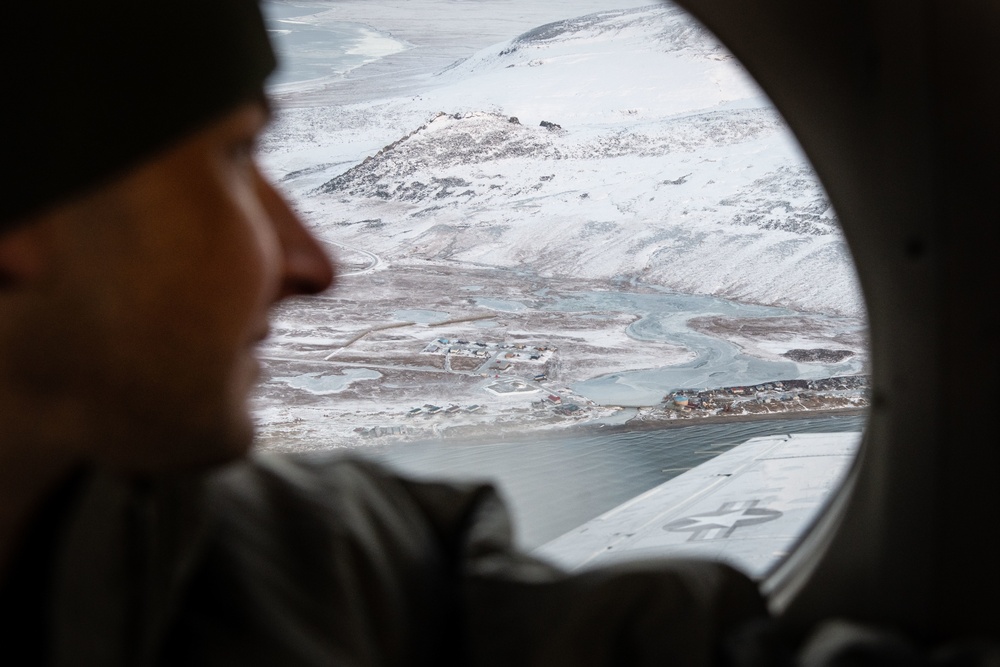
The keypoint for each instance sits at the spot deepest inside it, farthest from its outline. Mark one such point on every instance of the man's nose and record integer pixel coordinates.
(308, 269)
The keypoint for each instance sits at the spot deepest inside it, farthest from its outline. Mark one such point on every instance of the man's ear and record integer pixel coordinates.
(22, 255)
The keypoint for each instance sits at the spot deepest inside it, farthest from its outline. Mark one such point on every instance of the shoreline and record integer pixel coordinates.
(654, 425)
(475, 434)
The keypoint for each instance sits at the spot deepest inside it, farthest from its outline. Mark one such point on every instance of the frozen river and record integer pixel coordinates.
(664, 317)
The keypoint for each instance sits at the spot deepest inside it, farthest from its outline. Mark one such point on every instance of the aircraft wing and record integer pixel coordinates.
(746, 506)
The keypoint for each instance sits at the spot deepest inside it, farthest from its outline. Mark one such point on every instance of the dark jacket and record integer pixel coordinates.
(295, 560)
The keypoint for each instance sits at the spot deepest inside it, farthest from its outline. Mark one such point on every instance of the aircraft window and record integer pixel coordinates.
(580, 253)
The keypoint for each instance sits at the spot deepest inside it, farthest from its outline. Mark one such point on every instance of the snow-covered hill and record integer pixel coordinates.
(622, 144)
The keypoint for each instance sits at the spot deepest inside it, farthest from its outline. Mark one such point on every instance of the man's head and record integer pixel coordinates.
(93, 88)
(133, 295)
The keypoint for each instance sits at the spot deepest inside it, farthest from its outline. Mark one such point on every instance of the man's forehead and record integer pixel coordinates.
(121, 81)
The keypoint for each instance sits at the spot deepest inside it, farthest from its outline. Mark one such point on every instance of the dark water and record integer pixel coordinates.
(554, 484)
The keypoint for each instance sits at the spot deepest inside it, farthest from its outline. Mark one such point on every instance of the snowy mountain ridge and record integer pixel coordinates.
(624, 143)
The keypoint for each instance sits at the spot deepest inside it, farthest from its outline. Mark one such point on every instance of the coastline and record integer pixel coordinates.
(481, 434)
(636, 424)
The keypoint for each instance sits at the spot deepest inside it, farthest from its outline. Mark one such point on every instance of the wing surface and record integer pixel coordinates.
(746, 506)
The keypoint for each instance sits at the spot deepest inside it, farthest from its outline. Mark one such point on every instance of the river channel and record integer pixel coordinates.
(664, 316)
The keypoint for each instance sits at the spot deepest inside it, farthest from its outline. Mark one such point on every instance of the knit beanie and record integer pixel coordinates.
(95, 88)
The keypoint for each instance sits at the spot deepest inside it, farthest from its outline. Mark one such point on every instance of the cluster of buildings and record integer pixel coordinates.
(559, 406)
(841, 391)
(431, 409)
(497, 357)
(480, 349)
(463, 347)
(379, 431)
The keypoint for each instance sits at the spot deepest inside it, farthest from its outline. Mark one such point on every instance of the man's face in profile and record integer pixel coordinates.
(151, 294)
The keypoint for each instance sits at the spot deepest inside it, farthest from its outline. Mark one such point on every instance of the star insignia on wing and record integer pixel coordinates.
(722, 523)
